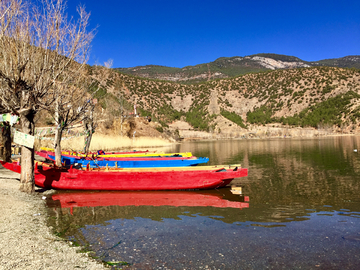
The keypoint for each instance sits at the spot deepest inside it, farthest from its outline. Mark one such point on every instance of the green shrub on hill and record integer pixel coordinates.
(330, 112)
(143, 112)
(198, 118)
(260, 115)
(100, 93)
(168, 113)
(233, 117)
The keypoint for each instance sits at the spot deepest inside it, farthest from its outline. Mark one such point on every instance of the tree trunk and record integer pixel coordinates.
(27, 180)
(6, 139)
(58, 135)
(89, 128)
(88, 137)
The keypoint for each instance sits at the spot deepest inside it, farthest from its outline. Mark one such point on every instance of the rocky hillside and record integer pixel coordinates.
(312, 97)
(226, 67)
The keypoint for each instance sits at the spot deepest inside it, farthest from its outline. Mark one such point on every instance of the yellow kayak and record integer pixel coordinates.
(161, 169)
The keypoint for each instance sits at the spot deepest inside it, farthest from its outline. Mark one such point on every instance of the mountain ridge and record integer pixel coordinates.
(227, 67)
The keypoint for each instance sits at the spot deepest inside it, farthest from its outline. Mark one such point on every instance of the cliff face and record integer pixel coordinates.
(273, 64)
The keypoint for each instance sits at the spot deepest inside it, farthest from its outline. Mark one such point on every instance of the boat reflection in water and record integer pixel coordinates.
(116, 224)
(147, 198)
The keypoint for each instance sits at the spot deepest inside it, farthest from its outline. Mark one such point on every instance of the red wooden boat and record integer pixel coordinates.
(138, 198)
(132, 179)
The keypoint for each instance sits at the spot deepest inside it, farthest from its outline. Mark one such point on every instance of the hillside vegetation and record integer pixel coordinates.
(306, 97)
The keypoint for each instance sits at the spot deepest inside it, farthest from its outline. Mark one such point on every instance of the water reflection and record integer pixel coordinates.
(156, 205)
(294, 173)
(304, 204)
(149, 198)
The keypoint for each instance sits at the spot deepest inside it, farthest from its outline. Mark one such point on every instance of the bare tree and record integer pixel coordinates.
(108, 64)
(71, 106)
(39, 47)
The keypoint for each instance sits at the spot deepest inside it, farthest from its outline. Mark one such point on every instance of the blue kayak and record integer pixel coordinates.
(132, 162)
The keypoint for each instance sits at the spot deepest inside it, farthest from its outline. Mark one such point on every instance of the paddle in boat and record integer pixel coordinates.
(202, 177)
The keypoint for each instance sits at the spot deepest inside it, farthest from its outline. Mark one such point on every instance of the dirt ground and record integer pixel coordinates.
(26, 242)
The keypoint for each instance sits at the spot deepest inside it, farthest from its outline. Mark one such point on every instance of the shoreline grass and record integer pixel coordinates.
(109, 143)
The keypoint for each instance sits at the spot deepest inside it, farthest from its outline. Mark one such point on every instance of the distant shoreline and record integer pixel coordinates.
(266, 137)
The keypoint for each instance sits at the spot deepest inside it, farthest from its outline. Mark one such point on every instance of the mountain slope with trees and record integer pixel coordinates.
(306, 97)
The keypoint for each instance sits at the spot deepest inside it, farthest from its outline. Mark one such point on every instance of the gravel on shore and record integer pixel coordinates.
(26, 242)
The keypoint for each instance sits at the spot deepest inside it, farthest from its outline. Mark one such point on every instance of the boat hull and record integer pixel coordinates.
(172, 179)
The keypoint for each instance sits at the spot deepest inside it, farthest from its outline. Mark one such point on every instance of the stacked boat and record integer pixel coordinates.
(133, 170)
(126, 159)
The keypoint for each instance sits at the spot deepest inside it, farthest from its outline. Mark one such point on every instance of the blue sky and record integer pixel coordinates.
(189, 32)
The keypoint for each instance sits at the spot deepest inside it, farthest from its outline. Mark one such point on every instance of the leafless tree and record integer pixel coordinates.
(39, 47)
(108, 64)
(71, 107)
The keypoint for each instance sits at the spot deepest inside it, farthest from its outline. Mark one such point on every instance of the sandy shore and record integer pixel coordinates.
(25, 240)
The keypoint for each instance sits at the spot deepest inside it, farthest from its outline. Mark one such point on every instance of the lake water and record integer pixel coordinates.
(299, 209)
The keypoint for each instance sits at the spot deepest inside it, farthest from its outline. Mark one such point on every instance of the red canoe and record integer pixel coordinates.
(132, 179)
(152, 198)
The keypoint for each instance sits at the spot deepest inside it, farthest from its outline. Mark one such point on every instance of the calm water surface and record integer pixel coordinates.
(299, 209)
